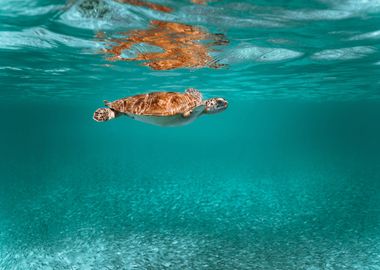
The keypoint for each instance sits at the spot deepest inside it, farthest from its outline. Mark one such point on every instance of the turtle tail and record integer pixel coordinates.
(104, 114)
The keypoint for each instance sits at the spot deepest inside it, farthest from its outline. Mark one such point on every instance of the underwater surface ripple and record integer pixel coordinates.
(51, 41)
(286, 178)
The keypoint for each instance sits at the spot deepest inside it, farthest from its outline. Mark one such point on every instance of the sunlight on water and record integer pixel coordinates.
(286, 178)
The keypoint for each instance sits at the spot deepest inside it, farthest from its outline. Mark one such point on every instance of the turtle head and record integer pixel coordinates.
(104, 114)
(215, 105)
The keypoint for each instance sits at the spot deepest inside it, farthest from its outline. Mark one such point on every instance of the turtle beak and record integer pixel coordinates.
(222, 104)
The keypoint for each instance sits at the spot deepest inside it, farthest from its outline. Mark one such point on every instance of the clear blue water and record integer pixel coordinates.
(287, 178)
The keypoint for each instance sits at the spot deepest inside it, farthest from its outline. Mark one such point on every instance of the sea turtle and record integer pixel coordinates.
(162, 108)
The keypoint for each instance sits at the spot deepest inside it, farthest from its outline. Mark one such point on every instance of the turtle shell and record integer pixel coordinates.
(156, 104)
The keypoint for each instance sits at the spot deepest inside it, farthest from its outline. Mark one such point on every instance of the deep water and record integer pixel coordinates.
(288, 177)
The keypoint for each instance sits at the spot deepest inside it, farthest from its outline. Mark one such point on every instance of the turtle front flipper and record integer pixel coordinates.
(187, 114)
(195, 94)
(197, 111)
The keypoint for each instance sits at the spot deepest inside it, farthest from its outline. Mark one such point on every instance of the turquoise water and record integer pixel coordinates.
(286, 178)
